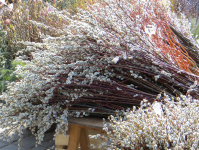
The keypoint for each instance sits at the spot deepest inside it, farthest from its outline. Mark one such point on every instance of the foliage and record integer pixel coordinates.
(105, 58)
(6, 75)
(7, 65)
(15, 63)
(7, 50)
(157, 126)
(20, 29)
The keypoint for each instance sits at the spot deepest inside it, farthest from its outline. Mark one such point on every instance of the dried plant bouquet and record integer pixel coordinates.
(158, 126)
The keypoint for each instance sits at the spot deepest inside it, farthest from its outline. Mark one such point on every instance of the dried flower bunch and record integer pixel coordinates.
(108, 57)
(160, 126)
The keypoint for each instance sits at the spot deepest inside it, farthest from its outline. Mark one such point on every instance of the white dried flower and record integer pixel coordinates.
(116, 59)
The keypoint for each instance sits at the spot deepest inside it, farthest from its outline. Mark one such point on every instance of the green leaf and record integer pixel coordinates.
(15, 63)
(3, 33)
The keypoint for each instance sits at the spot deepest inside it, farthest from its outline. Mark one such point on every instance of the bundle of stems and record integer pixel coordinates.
(108, 57)
(169, 63)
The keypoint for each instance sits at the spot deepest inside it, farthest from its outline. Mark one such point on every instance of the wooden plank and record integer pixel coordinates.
(90, 128)
(74, 137)
(93, 122)
(84, 140)
(60, 139)
(94, 132)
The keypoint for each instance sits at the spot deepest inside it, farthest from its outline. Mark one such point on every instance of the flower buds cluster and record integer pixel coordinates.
(166, 125)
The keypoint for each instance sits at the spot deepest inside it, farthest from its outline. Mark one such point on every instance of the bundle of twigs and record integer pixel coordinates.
(118, 76)
(107, 58)
(169, 65)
